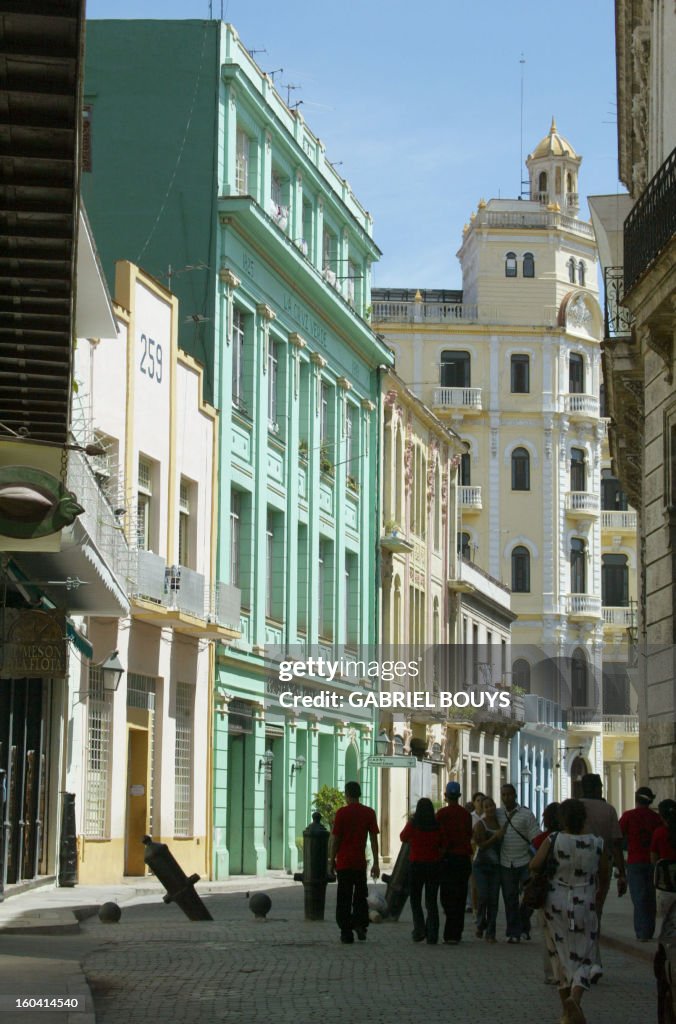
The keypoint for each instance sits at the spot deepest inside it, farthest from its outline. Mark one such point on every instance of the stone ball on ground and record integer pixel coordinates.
(260, 904)
(109, 913)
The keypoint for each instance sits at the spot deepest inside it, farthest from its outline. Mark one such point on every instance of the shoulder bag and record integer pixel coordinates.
(536, 888)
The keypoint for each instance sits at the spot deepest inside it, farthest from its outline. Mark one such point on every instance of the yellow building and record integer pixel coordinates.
(513, 364)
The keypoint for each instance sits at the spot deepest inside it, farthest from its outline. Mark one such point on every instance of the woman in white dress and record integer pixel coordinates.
(578, 873)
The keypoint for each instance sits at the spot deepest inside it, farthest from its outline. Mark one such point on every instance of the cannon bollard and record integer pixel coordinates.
(314, 875)
(180, 888)
(396, 893)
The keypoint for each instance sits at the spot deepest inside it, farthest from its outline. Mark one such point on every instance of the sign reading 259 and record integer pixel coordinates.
(151, 358)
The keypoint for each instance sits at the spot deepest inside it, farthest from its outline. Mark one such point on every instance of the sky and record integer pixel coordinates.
(419, 104)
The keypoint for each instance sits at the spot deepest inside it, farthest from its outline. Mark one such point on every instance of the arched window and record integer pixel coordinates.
(464, 548)
(569, 182)
(571, 270)
(455, 370)
(578, 470)
(615, 581)
(578, 679)
(581, 271)
(520, 375)
(528, 264)
(578, 566)
(542, 182)
(520, 470)
(557, 180)
(576, 374)
(510, 264)
(521, 674)
(521, 570)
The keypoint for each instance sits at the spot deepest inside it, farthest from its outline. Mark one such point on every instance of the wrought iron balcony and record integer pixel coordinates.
(651, 224)
(617, 318)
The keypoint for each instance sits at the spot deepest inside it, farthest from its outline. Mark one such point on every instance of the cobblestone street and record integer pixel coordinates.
(156, 965)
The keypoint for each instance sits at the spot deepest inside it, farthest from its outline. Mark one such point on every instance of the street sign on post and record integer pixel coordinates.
(394, 761)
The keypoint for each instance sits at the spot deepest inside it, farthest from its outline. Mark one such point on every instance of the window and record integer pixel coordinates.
(602, 401)
(521, 570)
(238, 359)
(578, 566)
(464, 547)
(520, 375)
(324, 413)
(272, 387)
(542, 182)
(143, 504)
(269, 563)
(307, 246)
(615, 581)
(455, 370)
(528, 264)
(352, 276)
(578, 470)
(510, 264)
(578, 674)
(576, 374)
(242, 163)
(183, 747)
(330, 256)
(351, 598)
(185, 553)
(613, 498)
(325, 589)
(235, 519)
(571, 270)
(581, 272)
(351, 464)
(276, 188)
(520, 470)
(521, 674)
(97, 762)
(569, 182)
(465, 469)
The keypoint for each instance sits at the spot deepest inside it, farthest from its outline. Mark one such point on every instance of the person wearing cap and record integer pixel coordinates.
(456, 862)
(638, 827)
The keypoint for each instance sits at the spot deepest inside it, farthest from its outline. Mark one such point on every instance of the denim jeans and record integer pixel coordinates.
(518, 918)
(487, 879)
(642, 892)
(424, 875)
(352, 900)
(455, 873)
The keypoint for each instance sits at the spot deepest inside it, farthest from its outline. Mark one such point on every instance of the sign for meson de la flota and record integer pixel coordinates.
(33, 644)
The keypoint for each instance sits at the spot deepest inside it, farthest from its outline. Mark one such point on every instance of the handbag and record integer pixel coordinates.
(536, 888)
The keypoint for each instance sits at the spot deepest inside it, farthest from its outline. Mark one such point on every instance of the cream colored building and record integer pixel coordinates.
(430, 600)
(513, 364)
(637, 242)
(140, 760)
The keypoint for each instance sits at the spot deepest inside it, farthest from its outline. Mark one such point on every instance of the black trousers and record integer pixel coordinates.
(352, 909)
(424, 875)
(454, 876)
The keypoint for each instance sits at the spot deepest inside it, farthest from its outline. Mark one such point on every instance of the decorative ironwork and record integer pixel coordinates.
(618, 319)
(651, 224)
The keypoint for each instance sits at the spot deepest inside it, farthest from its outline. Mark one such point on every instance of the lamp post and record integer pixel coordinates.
(112, 671)
(382, 744)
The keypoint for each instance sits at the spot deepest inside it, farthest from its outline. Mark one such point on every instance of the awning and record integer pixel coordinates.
(80, 641)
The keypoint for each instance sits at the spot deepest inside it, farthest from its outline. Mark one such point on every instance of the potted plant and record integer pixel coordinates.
(302, 448)
(327, 801)
(353, 484)
(325, 463)
(392, 528)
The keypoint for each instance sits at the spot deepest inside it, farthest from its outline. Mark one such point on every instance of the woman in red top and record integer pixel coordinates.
(423, 835)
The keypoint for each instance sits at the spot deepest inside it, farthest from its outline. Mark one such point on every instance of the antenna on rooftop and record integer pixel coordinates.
(289, 89)
(525, 185)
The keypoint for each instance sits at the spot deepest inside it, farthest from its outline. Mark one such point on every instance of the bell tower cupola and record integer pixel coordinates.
(553, 169)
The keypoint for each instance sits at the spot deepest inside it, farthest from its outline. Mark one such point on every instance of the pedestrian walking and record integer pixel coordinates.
(456, 862)
(520, 828)
(347, 844)
(486, 837)
(602, 821)
(423, 835)
(550, 823)
(475, 808)
(638, 827)
(663, 847)
(580, 868)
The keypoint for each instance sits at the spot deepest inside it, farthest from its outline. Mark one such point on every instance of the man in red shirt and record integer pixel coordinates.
(456, 862)
(347, 857)
(637, 828)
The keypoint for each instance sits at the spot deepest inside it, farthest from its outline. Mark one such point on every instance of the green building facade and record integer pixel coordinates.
(198, 165)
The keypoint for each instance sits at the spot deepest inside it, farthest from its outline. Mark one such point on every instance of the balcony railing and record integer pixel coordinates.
(618, 616)
(617, 318)
(457, 398)
(583, 605)
(434, 312)
(178, 588)
(620, 724)
(582, 501)
(99, 518)
(651, 224)
(584, 716)
(621, 521)
(582, 405)
(470, 497)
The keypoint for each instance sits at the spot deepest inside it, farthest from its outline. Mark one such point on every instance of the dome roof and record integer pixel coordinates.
(554, 144)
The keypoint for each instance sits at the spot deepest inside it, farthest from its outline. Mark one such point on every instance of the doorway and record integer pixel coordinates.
(137, 800)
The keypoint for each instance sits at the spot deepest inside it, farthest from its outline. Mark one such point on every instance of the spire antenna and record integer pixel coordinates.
(525, 185)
